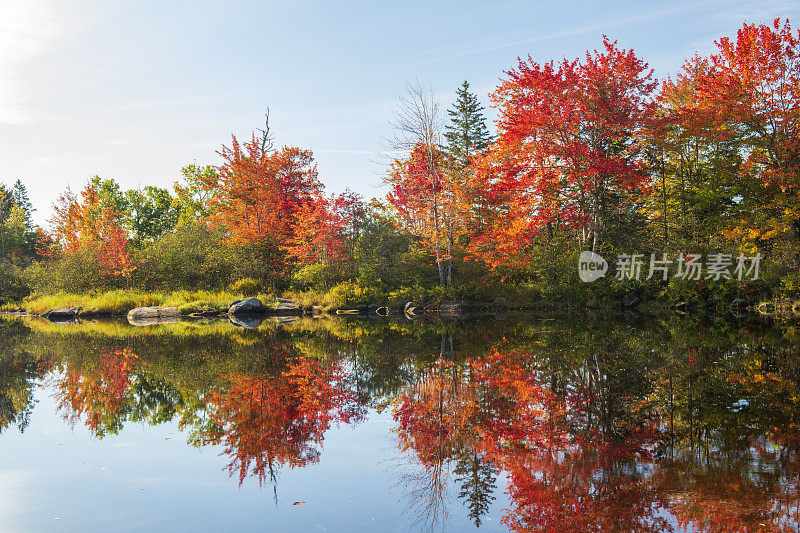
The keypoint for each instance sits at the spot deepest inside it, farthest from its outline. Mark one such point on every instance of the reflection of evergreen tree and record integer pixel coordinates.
(476, 479)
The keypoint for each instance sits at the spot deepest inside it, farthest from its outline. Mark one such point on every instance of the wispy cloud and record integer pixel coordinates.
(27, 28)
(600, 26)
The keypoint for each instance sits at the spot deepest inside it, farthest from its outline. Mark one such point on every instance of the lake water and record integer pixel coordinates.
(524, 423)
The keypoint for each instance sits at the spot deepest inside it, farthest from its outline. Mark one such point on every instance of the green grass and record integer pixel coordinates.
(122, 301)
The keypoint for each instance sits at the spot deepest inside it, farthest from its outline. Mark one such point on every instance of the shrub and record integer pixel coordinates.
(246, 287)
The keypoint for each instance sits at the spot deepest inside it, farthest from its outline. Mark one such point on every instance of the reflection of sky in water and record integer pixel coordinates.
(55, 478)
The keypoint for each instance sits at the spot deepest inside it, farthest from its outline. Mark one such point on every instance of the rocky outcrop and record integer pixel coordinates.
(246, 306)
(154, 312)
(283, 303)
(150, 316)
(64, 314)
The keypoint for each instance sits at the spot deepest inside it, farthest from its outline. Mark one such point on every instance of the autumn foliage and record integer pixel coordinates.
(265, 422)
(100, 394)
(590, 153)
(567, 144)
(257, 194)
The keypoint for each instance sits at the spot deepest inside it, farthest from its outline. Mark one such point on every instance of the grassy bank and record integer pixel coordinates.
(122, 301)
(549, 294)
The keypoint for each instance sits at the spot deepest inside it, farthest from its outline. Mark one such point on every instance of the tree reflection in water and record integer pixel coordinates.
(588, 425)
(278, 420)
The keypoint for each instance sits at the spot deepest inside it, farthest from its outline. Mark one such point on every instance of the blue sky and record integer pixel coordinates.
(136, 90)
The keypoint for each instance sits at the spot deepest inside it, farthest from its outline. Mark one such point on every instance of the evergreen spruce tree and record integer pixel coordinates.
(467, 133)
(19, 195)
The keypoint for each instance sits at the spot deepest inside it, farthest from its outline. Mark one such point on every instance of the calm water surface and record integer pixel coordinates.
(581, 423)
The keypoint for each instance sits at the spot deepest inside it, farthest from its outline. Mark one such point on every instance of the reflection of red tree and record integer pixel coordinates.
(425, 417)
(565, 474)
(269, 421)
(97, 394)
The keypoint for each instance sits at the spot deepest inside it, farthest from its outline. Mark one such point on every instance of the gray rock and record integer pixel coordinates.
(63, 313)
(153, 312)
(246, 306)
(283, 303)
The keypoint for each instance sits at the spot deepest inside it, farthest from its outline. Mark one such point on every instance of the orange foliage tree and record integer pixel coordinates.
(257, 193)
(746, 93)
(318, 236)
(89, 224)
(567, 151)
(115, 256)
(426, 184)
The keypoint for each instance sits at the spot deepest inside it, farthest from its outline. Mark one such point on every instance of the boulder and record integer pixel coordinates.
(153, 312)
(283, 303)
(246, 306)
(64, 313)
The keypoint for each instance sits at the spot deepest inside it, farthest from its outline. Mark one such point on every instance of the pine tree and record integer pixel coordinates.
(19, 195)
(467, 133)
